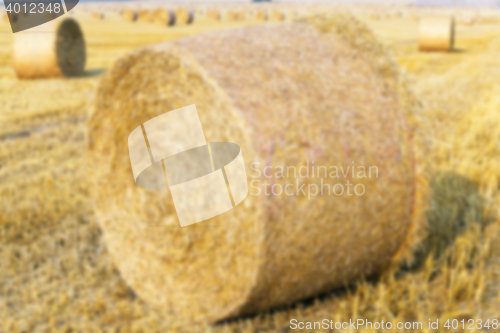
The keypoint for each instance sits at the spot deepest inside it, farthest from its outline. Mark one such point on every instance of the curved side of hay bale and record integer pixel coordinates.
(183, 16)
(60, 53)
(129, 15)
(436, 34)
(164, 17)
(270, 250)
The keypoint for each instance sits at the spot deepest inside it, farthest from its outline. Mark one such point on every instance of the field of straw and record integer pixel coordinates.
(56, 272)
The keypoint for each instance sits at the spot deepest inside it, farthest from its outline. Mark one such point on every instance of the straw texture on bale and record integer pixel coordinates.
(183, 16)
(436, 34)
(326, 94)
(164, 17)
(129, 15)
(57, 52)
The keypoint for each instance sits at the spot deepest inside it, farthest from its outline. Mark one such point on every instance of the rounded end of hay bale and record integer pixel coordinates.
(268, 250)
(436, 34)
(59, 53)
(129, 15)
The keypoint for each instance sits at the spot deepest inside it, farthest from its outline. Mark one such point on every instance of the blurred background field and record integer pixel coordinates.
(57, 276)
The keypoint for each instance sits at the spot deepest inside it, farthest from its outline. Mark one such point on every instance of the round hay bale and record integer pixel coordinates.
(164, 17)
(183, 16)
(57, 52)
(145, 16)
(436, 34)
(270, 250)
(213, 15)
(129, 15)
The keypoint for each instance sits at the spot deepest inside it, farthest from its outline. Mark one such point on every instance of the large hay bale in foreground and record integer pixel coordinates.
(129, 15)
(164, 17)
(290, 111)
(436, 34)
(56, 49)
(183, 16)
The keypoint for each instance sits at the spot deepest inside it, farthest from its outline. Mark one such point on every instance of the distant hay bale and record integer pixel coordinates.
(213, 15)
(232, 15)
(436, 34)
(183, 16)
(270, 250)
(129, 15)
(145, 16)
(98, 15)
(261, 15)
(277, 15)
(164, 17)
(58, 53)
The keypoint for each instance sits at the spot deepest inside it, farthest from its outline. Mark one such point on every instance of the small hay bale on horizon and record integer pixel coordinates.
(129, 15)
(213, 15)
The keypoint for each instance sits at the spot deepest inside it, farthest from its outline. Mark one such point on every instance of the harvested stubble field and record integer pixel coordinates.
(56, 274)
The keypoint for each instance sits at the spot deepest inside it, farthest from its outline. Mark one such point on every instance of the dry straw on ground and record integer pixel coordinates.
(436, 34)
(57, 51)
(270, 250)
(129, 15)
(183, 16)
(164, 17)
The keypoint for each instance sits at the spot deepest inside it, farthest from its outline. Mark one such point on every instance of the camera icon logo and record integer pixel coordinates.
(205, 179)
